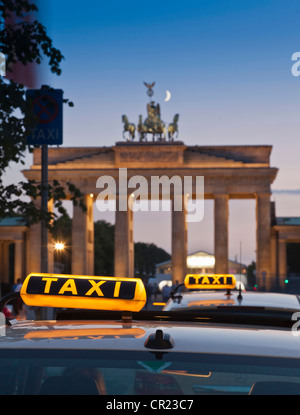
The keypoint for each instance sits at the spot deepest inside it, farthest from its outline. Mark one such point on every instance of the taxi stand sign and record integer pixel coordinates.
(47, 106)
(210, 281)
(81, 291)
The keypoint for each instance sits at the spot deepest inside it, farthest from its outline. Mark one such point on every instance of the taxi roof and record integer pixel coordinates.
(124, 326)
(199, 299)
(117, 336)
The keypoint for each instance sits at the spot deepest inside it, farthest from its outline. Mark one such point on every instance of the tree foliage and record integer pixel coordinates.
(104, 248)
(24, 39)
(251, 274)
(146, 256)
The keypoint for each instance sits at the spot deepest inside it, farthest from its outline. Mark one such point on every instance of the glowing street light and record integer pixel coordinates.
(59, 246)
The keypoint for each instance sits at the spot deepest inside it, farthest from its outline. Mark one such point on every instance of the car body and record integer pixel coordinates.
(220, 291)
(146, 352)
(185, 301)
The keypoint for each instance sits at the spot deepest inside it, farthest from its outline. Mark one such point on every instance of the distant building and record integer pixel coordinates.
(13, 241)
(199, 262)
(285, 244)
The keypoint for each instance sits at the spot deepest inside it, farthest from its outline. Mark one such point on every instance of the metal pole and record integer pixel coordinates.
(41, 313)
(44, 230)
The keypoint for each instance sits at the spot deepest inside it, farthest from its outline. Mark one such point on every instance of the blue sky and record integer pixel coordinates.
(227, 64)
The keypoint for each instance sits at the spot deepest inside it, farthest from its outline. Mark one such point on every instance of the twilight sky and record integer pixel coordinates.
(228, 66)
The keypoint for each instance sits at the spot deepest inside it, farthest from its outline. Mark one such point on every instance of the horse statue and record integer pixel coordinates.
(173, 128)
(128, 127)
(153, 122)
(142, 129)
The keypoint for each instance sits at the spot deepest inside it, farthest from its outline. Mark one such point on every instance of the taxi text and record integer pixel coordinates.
(210, 280)
(84, 287)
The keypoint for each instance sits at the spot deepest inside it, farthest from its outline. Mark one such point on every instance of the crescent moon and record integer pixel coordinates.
(168, 96)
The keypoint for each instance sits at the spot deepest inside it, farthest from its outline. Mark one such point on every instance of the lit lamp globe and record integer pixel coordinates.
(59, 246)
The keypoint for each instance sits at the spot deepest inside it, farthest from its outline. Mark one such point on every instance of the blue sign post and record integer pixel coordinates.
(47, 106)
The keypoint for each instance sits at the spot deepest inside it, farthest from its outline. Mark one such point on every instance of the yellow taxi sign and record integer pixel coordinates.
(210, 281)
(81, 291)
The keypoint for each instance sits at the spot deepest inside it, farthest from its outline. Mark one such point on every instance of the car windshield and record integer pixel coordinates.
(38, 372)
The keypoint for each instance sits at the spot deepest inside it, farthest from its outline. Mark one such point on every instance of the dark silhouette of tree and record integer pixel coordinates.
(146, 256)
(104, 248)
(24, 40)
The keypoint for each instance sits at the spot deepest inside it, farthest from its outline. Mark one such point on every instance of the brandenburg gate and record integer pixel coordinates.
(230, 172)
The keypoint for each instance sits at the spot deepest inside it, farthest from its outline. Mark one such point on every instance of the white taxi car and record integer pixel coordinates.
(103, 342)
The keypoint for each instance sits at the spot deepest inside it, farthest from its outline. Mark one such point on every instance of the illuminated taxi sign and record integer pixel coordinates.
(210, 281)
(87, 292)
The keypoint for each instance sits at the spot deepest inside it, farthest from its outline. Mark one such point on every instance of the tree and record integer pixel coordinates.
(146, 256)
(104, 248)
(25, 41)
(251, 274)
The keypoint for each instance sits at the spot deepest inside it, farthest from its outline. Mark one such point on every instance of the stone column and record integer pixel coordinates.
(282, 261)
(263, 239)
(83, 239)
(4, 258)
(179, 244)
(33, 246)
(33, 258)
(221, 214)
(124, 245)
(131, 245)
(50, 243)
(19, 260)
(1, 262)
(273, 245)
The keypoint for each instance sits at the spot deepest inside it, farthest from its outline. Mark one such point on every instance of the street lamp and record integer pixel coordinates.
(59, 246)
